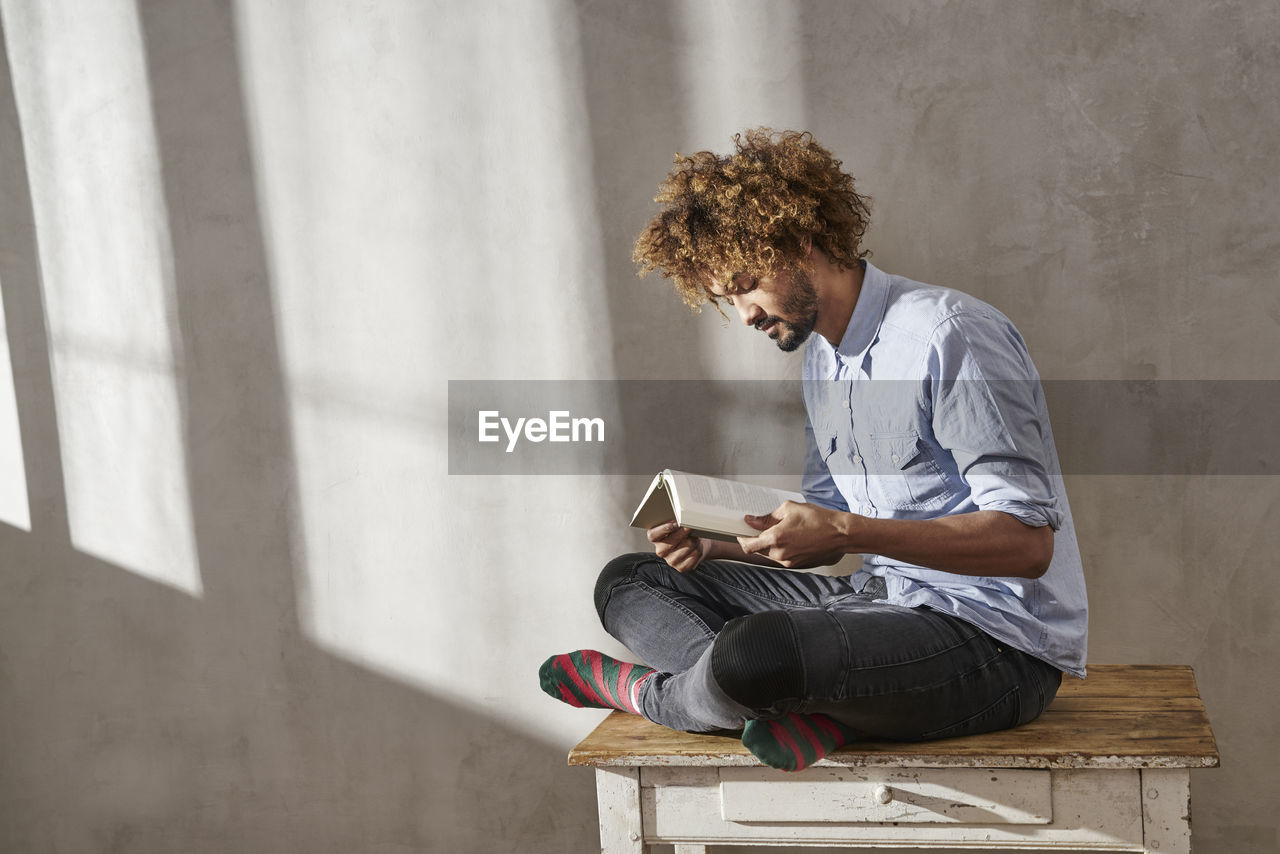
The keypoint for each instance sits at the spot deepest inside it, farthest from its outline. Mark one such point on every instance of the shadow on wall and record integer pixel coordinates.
(637, 109)
(138, 718)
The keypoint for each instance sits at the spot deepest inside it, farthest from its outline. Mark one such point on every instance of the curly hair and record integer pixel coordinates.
(751, 212)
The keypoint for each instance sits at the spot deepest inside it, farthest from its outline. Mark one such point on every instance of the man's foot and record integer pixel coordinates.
(794, 741)
(593, 680)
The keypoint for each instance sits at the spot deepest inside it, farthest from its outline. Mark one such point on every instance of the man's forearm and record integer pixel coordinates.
(986, 542)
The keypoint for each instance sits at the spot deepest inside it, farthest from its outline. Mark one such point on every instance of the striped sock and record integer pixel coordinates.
(590, 679)
(794, 741)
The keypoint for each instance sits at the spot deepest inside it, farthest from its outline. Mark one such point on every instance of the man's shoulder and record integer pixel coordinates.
(923, 311)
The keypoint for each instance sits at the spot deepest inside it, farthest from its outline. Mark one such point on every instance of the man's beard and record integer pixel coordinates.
(801, 305)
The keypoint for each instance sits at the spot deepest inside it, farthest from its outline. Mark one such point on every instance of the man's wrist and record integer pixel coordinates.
(852, 533)
(715, 549)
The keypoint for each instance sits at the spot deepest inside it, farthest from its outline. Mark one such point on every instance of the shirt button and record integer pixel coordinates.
(857, 459)
(867, 509)
(894, 457)
(848, 404)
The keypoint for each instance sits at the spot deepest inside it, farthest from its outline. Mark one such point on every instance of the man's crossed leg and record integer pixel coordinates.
(800, 662)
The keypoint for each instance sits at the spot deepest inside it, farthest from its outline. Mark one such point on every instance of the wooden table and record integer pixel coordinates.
(1104, 769)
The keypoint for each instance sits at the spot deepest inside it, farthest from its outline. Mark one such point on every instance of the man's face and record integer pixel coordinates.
(784, 307)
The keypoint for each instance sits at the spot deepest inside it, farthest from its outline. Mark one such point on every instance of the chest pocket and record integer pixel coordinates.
(903, 473)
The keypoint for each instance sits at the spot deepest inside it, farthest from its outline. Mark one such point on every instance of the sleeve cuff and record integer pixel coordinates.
(1035, 515)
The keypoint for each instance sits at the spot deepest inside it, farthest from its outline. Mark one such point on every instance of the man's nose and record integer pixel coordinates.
(748, 311)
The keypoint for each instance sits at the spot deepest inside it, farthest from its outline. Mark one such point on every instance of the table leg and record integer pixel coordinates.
(618, 799)
(1166, 811)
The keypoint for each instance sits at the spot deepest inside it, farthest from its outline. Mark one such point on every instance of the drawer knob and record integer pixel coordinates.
(883, 794)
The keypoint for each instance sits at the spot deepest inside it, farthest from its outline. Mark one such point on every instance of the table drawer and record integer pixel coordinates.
(908, 796)
(930, 807)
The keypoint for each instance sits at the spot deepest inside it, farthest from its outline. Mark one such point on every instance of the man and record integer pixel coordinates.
(929, 452)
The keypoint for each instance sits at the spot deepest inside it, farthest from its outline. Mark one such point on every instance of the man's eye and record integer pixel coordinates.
(739, 284)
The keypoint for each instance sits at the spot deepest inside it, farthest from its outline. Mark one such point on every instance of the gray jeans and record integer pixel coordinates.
(734, 642)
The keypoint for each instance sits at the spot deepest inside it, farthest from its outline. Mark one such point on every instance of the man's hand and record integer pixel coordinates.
(679, 547)
(799, 536)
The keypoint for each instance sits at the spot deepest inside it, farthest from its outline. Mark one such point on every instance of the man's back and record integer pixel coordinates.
(945, 415)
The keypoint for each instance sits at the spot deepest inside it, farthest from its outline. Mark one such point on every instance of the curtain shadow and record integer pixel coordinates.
(138, 718)
(641, 111)
(26, 325)
(240, 464)
(636, 110)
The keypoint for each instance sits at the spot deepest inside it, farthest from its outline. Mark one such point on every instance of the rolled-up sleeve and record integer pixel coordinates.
(988, 411)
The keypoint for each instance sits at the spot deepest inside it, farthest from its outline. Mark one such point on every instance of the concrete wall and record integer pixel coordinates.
(244, 247)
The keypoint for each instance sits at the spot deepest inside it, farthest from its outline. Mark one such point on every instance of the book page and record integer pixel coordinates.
(710, 506)
(722, 498)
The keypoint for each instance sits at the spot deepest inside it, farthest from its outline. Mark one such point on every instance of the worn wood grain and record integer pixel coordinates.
(1131, 716)
(1132, 680)
(1124, 704)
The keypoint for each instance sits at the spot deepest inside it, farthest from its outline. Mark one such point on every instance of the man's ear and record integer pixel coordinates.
(806, 244)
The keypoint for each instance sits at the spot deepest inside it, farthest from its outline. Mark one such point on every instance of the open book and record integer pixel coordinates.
(711, 507)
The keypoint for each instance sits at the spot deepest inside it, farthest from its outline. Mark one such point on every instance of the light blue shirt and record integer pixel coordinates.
(931, 407)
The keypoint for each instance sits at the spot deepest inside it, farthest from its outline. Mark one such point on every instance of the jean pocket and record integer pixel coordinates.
(1001, 714)
(1047, 681)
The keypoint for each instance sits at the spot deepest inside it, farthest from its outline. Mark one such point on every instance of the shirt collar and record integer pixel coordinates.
(860, 334)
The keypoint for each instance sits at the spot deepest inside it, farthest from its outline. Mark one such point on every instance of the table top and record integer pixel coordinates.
(1121, 716)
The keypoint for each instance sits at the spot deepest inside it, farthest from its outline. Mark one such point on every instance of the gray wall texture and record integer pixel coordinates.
(244, 247)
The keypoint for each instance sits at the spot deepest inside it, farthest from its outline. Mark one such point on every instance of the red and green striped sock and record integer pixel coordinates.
(794, 741)
(590, 679)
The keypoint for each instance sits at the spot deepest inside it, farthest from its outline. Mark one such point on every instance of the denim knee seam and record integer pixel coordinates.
(658, 594)
(846, 655)
(758, 661)
(804, 671)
